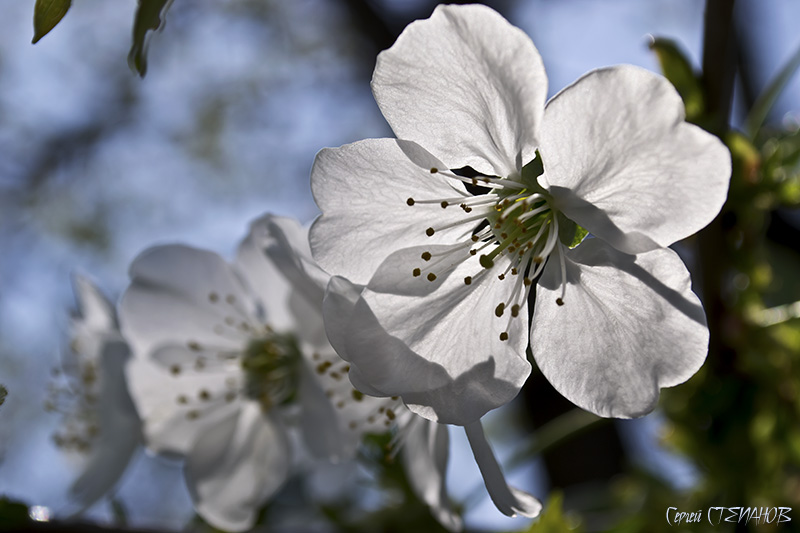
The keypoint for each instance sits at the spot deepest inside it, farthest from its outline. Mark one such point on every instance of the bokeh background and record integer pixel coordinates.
(97, 163)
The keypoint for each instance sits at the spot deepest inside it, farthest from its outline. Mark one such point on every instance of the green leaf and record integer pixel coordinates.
(678, 70)
(3, 394)
(758, 113)
(570, 233)
(13, 514)
(46, 14)
(149, 17)
(552, 519)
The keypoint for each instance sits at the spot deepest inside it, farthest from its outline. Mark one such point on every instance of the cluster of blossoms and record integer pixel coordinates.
(234, 373)
(230, 371)
(493, 223)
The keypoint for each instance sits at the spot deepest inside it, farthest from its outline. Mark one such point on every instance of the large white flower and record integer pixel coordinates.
(99, 419)
(241, 359)
(444, 232)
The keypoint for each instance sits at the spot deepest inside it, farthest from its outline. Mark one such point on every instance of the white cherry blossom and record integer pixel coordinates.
(232, 361)
(439, 238)
(99, 418)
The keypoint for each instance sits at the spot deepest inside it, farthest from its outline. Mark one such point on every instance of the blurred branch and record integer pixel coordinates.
(719, 63)
(719, 69)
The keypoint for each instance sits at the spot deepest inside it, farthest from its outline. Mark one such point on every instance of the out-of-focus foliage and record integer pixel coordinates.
(403, 510)
(12, 514)
(767, 99)
(679, 71)
(149, 17)
(46, 14)
(553, 519)
(3, 394)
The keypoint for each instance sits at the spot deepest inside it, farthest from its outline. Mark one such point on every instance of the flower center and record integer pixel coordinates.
(509, 223)
(272, 369)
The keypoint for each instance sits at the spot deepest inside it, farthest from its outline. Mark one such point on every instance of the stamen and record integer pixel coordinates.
(563, 264)
(485, 181)
(480, 216)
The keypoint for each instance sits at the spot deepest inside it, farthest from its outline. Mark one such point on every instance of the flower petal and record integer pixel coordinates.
(509, 500)
(629, 326)
(96, 312)
(436, 344)
(466, 85)
(425, 454)
(283, 245)
(362, 190)
(323, 429)
(338, 309)
(236, 466)
(621, 162)
(262, 275)
(119, 429)
(170, 406)
(93, 325)
(290, 252)
(183, 295)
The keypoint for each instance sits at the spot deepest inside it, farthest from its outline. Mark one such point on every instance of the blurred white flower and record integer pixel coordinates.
(442, 258)
(99, 418)
(423, 444)
(230, 358)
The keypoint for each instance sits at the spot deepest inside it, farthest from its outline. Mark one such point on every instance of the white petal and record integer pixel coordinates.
(621, 162)
(466, 85)
(283, 243)
(509, 500)
(183, 295)
(96, 312)
(236, 466)
(435, 344)
(119, 430)
(362, 190)
(629, 326)
(291, 253)
(324, 431)
(168, 425)
(94, 324)
(262, 275)
(338, 309)
(425, 455)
